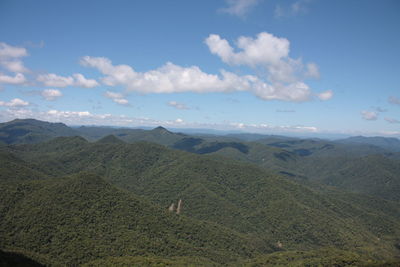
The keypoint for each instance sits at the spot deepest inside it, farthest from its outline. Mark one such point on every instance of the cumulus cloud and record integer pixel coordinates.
(68, 114)
(169, 78)
(177, 105)
(77, 79)
(51, 94)
(8, 51)
(284, 79)
(285, 74)
(16, 66)
(10, 58)
(54, 80)
(16, 102)
(18, 78)
(239, 8)
(266, 49)
(116, 97)
(394, 100)
(325, 95)
(81, 81)
(392, 120)
(172, 78)
(369, 115)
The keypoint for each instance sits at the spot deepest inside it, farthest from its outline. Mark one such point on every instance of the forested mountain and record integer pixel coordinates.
(231, 211)
(30, 131)
(115, 202)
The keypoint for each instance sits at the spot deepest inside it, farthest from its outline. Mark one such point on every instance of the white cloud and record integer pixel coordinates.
(239, 8)
(10, 58)
(51, 94)
(285, 74)
(68, 114)
(266, 49)
(54, 80)
(8, 51)
(116, 97)
(121, 101)
(172, 78)
(392, 120)
(325, 95)
(16, 66)
(16, 102)
(179, 121)
(177, 105)
(18, 78)
(81, 81)
(265, 127)
(394, 100)
(169, 78)
(77, 79)
(369, 115)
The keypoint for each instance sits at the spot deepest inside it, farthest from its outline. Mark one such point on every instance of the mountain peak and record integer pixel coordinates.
(160, 129)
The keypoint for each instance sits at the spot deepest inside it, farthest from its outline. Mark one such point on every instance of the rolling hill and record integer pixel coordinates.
(264, 211)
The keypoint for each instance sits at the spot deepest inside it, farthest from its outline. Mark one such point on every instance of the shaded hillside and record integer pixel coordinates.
(29, 131)
(16, 259)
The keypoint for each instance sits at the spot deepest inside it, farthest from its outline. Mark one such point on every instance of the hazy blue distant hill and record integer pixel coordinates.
(29, 131)
(256, 137)
(389, 143)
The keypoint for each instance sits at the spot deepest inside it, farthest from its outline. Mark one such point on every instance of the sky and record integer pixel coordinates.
(262, 66)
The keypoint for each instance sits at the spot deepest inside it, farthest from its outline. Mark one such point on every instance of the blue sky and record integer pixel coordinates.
(266, 66)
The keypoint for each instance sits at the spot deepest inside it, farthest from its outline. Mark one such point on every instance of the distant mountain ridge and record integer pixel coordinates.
(389, 143)
(30, 131)
(306, 160)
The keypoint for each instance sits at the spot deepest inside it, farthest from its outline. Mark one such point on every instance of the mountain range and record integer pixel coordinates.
(99, 196)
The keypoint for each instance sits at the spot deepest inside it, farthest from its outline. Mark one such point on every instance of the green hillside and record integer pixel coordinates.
(71, 201)
(82, 218)
(358, 168)
(266, 208)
